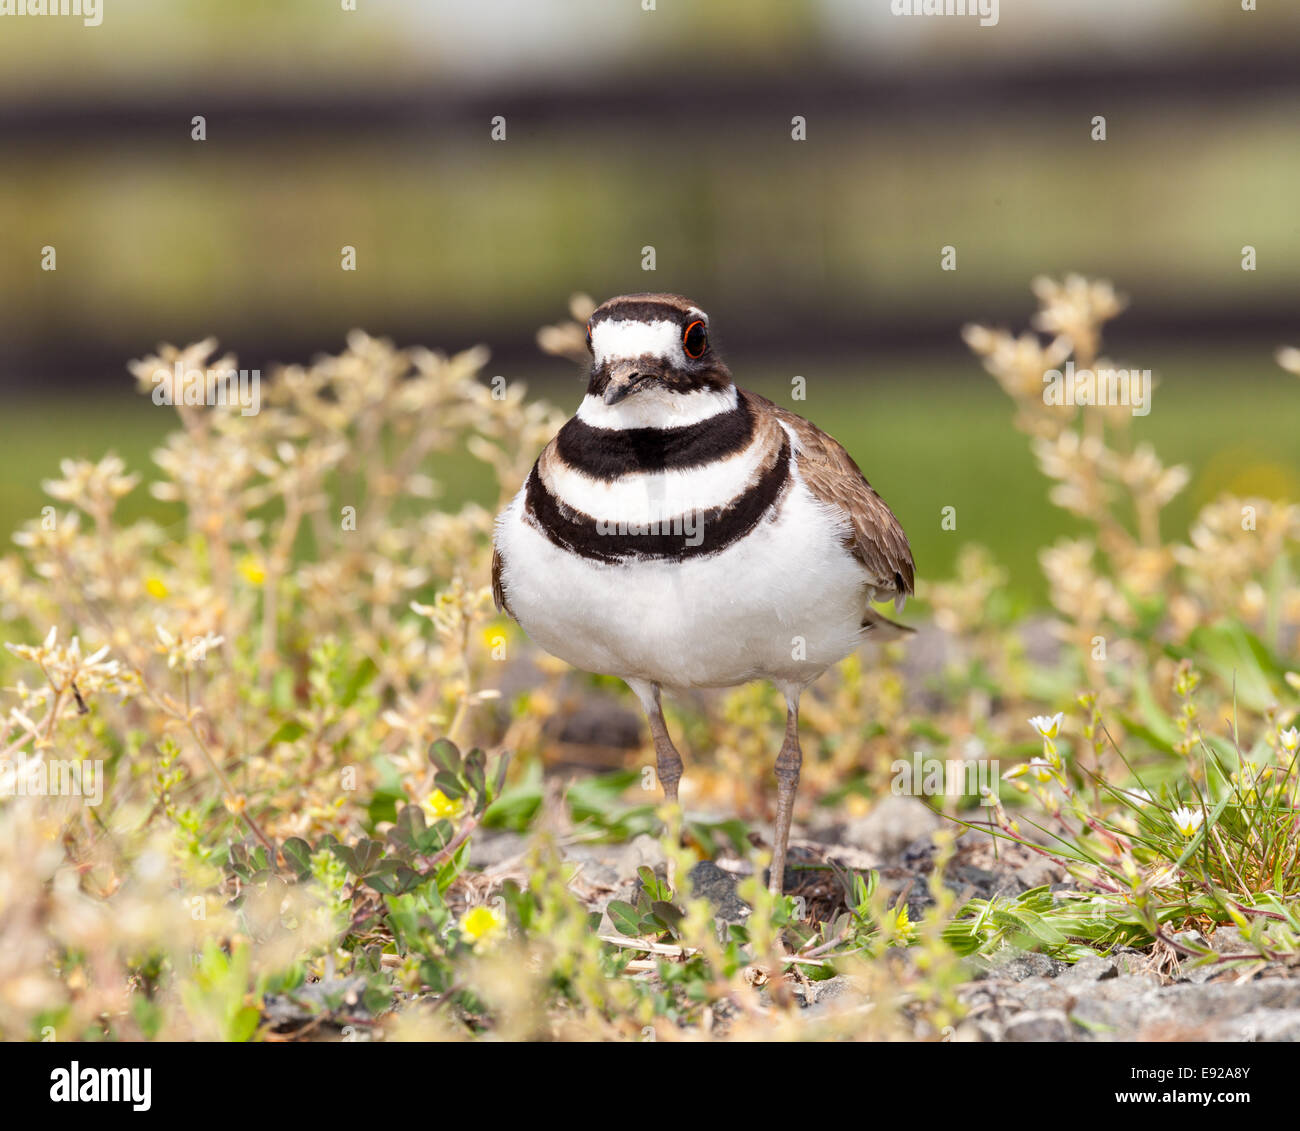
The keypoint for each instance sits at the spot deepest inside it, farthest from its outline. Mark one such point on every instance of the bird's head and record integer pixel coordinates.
(653, 349)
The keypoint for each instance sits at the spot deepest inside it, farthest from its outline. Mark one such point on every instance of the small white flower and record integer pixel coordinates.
(198, 648)
(1290, 740)
(1187, 821)
(186, 655)
(1048, 726)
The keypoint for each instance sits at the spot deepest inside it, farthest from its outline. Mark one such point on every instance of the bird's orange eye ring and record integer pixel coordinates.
(695, 340)
(589, 349)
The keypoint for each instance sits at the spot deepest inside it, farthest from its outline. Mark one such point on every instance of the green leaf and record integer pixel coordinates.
(436, 837)
(445, 756)
(365, 856)
(668, 913)
(503, 764)
(475, 774)
(408, 827)
(382, 882)
(287, 732)
(653, 887)
(243, 1024)
(450, 785)
(625, 917)
(651, 925)
(297, 854)
(1229, 650)
(515, 807)
(365, 672)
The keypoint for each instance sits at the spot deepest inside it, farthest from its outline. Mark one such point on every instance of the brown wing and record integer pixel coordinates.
(498, 591)
(876, 539)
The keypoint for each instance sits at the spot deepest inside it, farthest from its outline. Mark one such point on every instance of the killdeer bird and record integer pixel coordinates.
(682, 532)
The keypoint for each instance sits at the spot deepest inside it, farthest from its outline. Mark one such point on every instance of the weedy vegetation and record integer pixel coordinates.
(304, 711)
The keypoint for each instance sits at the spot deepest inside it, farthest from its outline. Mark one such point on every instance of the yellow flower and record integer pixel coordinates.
(480, 923)
(155, 587)
(904, 931)
(443, 806)
(252, 571)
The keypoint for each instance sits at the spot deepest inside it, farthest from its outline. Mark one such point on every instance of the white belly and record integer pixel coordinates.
(783, 603)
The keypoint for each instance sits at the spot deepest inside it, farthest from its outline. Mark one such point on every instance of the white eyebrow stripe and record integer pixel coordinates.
(619, 338)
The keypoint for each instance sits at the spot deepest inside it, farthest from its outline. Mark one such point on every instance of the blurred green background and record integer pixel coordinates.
(669, 128)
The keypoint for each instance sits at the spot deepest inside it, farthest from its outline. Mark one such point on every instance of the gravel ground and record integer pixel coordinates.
(1127, 995)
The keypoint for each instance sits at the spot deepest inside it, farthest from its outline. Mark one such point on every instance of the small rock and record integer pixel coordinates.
(1041, 993)
(975, 1032)
(1039, 1025)
(641, 851)
(1129, 960)
(1198, 973)
(1228, 940)
(1016, 966)
(1038, 874)
(495, 846)
(846, 856)
(719, 888)
(984, 884)
(311, 999)
(1120, 987)
(839, 992)
(1260, 1025)
(891, 826)
(1090, 968)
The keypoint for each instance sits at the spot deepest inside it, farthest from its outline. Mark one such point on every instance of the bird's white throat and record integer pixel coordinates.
(657, 408)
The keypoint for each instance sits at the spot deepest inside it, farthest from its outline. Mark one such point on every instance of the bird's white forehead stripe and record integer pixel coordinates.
(619, 338)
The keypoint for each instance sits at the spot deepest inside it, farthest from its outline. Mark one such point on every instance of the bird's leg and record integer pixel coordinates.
(669, 761)
(787, 783)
